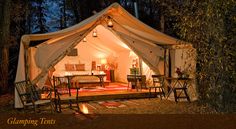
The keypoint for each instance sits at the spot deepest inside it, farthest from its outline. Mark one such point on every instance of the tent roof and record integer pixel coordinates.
(139, 37)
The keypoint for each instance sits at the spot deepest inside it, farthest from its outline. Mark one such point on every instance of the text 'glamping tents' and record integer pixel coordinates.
(147, 43)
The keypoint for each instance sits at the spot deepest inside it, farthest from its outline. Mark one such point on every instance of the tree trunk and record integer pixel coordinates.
(4, 44)
(76, 9)
(64, 14)
(29, 17)
(162, 22)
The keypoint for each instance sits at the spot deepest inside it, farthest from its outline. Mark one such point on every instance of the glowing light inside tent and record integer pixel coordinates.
(132, 54)
(124, 46)
(100, 55)
(103, 61)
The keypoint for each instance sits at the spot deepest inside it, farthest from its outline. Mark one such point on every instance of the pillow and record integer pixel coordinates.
(79, 67)
(69, 67)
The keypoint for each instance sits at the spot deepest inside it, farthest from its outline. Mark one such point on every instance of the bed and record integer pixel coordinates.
(79, 77)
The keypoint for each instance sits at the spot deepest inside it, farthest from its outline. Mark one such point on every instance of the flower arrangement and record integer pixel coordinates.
(111, 63)
(184, 73)
(179, 72)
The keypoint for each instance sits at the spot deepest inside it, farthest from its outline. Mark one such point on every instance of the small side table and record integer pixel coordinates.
(179, 84)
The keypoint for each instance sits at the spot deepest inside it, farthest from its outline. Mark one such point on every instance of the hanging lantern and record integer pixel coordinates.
(84, 40)
(110, 23)
(94, 33)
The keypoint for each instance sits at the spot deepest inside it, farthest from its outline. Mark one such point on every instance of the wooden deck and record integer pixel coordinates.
(107, 94)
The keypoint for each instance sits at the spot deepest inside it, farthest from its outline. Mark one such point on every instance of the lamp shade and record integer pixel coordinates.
(103, 61)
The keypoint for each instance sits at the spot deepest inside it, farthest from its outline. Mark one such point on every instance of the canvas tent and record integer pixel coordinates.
(146, 42)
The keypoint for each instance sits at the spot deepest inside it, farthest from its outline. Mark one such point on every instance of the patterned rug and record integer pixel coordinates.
(111, 104)
(100, 89)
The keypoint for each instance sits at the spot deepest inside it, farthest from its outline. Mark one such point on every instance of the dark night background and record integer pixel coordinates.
(209, 25)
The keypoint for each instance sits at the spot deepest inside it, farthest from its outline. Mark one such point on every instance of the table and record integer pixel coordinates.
(100, 76)
(178, 84)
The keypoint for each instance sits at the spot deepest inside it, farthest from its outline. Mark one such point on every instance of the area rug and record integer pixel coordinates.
(111, 104)
(101, 89)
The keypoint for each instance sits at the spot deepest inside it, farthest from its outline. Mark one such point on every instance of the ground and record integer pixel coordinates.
(131, 106)
(118, 114)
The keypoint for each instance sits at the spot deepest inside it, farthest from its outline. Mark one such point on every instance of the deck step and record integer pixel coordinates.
(112, 97)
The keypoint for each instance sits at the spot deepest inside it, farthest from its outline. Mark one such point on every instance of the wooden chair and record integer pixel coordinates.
(143, 82)
(49, 85)
(30, 97)
(62, 86)
(158, 83)
(132, 80)
(139, 81)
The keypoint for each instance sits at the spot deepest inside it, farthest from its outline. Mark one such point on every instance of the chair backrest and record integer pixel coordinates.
(26, 91)
(60, 84)
(158, 80)
(131, 78)
(143, 80)
(135, 78)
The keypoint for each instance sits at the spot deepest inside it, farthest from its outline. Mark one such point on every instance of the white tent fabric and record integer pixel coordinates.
(34, 62)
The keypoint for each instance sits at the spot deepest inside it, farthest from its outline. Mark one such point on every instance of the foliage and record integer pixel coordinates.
(39, 16)
(210, 27)
(4, 44)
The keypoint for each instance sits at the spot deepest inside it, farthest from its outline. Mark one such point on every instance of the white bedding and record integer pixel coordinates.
(85, 79)
(64, 73)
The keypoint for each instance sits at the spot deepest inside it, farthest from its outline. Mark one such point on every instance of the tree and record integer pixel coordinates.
(39, 16)
(4, 43)
(207, 26)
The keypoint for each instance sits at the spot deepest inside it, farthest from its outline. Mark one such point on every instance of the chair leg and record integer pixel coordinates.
(163, 92)
(155, 92)
(160, 93)
(77, 98)
(175, 94)
(51, 105)
(35, 110)
(128, 86)
(59, 102)
(70, 104)
(185, 92)
(150, 93)
(136, 86)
